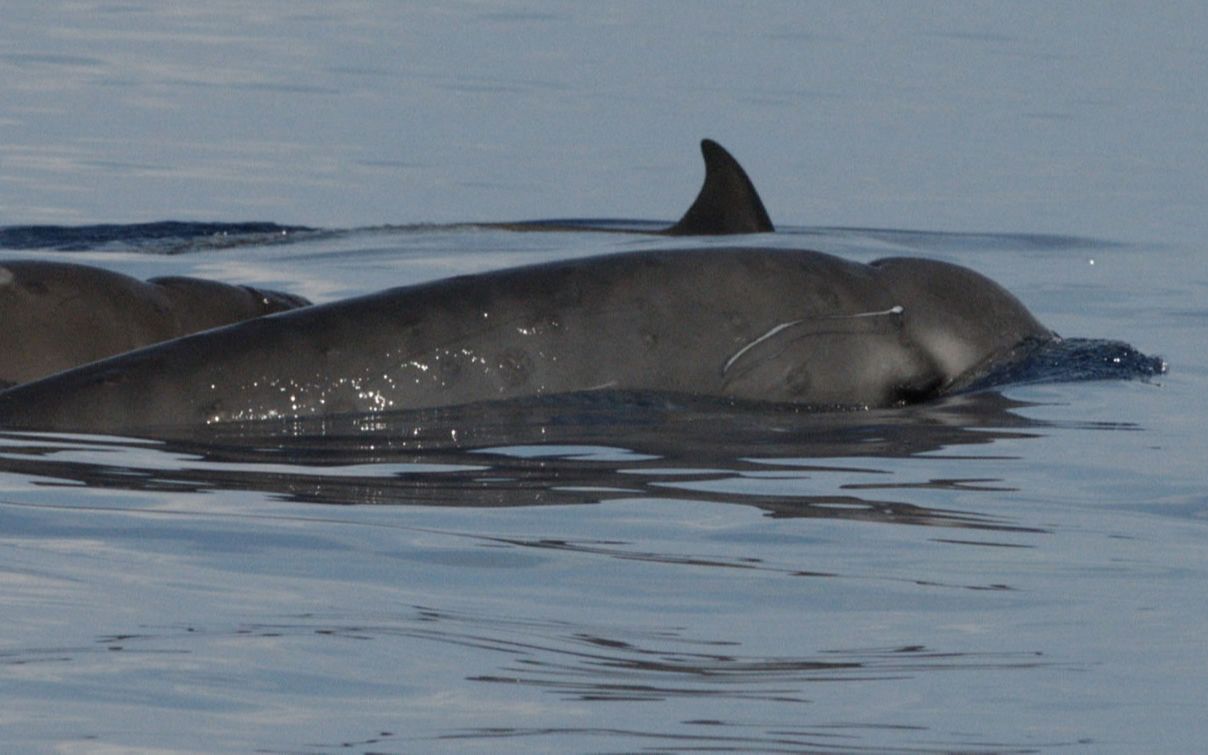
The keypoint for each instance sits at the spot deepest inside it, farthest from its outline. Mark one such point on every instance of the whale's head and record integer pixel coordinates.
(961, 320)
(859, 359)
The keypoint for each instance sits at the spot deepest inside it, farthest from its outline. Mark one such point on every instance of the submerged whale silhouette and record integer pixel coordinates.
(55, 315)
(753, 324)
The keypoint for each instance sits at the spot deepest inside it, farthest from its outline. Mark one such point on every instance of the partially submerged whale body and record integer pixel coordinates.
(800, 327)
(57, 316)
(727, 204)
(54, 315)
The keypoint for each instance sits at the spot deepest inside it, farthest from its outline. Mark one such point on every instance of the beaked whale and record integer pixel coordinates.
(57, 315)
(793, 326)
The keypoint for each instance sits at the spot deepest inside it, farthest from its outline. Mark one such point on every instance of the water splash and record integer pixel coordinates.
(1068, 360)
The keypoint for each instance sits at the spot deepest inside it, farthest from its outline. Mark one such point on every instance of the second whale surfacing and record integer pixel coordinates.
(57, 315)
(791, 326)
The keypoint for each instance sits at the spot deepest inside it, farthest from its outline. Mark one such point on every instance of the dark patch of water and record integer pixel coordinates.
(164, 237)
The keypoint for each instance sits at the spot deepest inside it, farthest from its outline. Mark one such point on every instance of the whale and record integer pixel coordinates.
(57, 315)
(727, 204)
(797, 327)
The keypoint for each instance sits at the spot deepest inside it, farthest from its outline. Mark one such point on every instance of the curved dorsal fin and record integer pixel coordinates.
(727, 203)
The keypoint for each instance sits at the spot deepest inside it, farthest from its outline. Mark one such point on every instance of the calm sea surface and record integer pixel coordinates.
(1003, 572)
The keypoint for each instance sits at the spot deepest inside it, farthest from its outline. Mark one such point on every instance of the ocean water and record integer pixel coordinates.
(1020, 570)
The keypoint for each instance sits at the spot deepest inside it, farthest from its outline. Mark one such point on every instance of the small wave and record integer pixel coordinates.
(165, 237)
(964, 241)
(1068, 360)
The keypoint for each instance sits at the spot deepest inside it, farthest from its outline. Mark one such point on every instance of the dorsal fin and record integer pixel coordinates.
(727, 203)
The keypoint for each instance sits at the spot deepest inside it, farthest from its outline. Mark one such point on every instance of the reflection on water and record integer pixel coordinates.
(580, 450)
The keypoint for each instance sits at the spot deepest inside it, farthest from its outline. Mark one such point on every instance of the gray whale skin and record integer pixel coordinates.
(56, 315)
(779, 325)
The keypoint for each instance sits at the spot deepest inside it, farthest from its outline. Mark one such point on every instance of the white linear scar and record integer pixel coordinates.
(894, 310)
